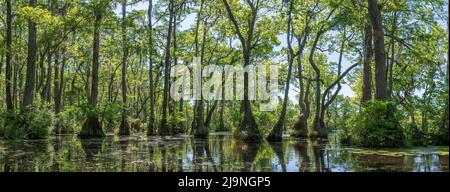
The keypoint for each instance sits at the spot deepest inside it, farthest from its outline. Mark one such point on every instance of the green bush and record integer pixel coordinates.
(36, 122)
(109, 113)
(41, 123)
(372, 127)
(71, 119)
(12, 125)
(414, 136)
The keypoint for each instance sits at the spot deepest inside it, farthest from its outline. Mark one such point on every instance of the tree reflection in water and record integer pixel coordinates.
(218, 153)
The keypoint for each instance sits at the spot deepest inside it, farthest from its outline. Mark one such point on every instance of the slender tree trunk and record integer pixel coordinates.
(47, 87)
(210, 113)
(198, 123)
(318, 130)
(277, 131)
(392, 60)
(202, 129)
(30, 83)
(60, 92)
(164, 124)
(151, 119)
(301, 126)
(56, 81)
(8, 77)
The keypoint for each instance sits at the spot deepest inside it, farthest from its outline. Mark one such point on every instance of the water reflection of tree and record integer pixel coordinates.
(278, 149)
(318, 152)
(203, 160)
(302, 152)
(26, 156)
(247, 152)
(92, 148)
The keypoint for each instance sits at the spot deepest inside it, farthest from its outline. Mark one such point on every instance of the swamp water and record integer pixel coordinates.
(218, 153)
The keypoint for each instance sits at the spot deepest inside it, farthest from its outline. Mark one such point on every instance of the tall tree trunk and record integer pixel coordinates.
(151, 119)
(198, 123)
(248, 127)
(48, 80)
(277, 131)
(210, 113)
(381, 86)
(30, 83)
(8, 77)
(317, 129)
(56, 87)
(60, 91)
(301, 126)
(392, 59)
(124, 125)
(202, 129)
(92, 126)
(164, 125)
(325, 104)
(367, 68)
(368, 54)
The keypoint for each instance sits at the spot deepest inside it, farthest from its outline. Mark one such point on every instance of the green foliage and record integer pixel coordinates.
(12, 125)
(414, 136)
(71, 119)
(36, 122)
(372, 127)
(106, 112)
(41, 122)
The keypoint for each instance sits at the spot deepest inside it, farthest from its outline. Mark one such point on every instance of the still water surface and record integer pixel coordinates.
(218, 153)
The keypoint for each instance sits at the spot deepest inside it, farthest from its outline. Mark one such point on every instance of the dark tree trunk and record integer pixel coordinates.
(210, 113)
(301, 126)
(56, 82)
(381, 86)
(318, 130)
(331, 98)
(8, 77)
(164, 124)
(30, 83)
(198, 123)
(392, 59)
(277, 131)
(151, 119)
(248, 128)
(92, 126)
(367, 68)
(60, 91)
(56, 87)
(202, 129)
(47, 86)
(124, 124)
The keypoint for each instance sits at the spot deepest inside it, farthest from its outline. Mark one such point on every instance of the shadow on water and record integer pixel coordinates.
(218, 153)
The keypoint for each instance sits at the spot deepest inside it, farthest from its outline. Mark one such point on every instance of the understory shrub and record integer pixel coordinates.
(36, 122)
(71, 119)
(372, 127)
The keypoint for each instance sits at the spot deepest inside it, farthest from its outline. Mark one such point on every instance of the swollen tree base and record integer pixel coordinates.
(91, 128)
(248, 131)
(318, 130)
(300, 128)
(124, 126)
(276, 135)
